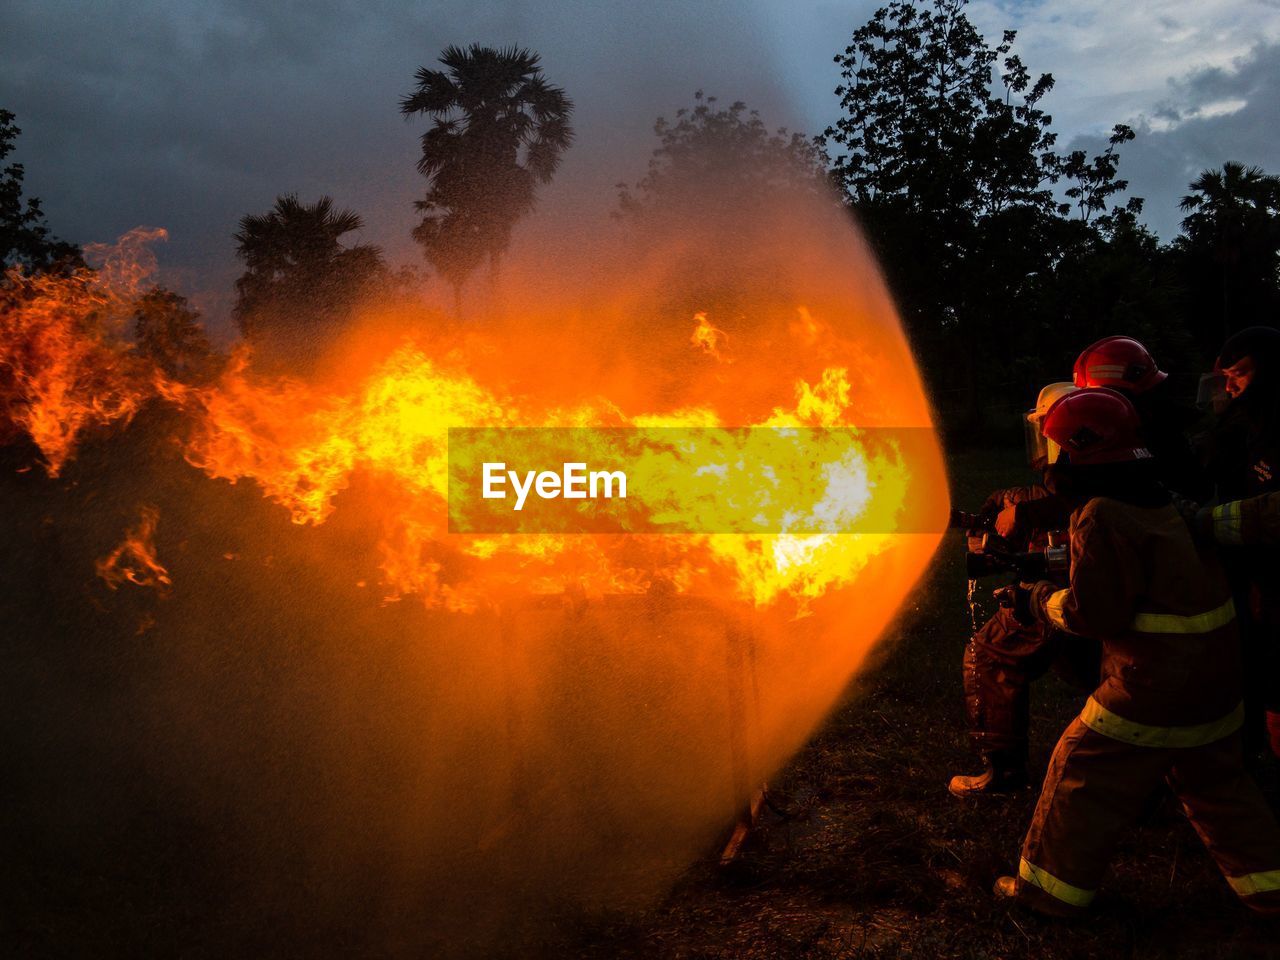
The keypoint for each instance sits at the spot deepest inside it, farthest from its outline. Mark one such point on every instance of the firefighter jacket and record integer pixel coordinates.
(1251, 522)
(1162, 608)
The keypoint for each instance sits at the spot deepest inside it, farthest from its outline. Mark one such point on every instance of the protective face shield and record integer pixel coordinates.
(1041, 451)
(1212, 394)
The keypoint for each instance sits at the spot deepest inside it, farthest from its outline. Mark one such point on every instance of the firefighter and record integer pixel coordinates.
(1168, 708)
(1243, 460)
(1004, 657)
(1246, 526)
(1124, 364)
(1252, 522)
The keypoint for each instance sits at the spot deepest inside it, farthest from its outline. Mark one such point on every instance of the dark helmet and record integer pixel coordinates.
(1260, 343)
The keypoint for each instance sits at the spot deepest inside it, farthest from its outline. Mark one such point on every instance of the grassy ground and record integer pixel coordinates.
(870, 855)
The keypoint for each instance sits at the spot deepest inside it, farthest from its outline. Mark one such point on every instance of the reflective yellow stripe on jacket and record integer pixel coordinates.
(1101, 720)
(1153, 622)
(1053, 608)
(1252, 883)
(1059, 889)
(1178, 623)
(1227, 524)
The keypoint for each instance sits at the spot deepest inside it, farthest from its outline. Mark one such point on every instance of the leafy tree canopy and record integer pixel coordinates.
(1229, 252)
(711, 154)
(948, 158)
(24, 236)
(169, 333)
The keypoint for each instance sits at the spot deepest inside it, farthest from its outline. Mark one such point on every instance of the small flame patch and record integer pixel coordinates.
(134, 558)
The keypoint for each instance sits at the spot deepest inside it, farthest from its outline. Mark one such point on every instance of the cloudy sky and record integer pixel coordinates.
(188, 114)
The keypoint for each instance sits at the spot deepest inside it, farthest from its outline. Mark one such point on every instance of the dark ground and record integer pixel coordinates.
(867, 854)
(871, 857)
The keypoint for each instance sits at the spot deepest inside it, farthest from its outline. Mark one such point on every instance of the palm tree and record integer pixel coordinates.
(1222, 201)
(1233, 218)
(500, 129)
(298, 277)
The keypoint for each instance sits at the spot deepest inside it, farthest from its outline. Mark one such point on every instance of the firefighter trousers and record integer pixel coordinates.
(1000, 663)
(1096, 789)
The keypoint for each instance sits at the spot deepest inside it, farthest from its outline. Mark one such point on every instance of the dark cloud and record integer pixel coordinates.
(1212, 115)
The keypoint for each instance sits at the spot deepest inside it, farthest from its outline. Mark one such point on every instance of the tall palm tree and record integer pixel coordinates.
(499, 130)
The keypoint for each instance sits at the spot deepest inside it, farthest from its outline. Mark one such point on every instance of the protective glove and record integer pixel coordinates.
(1017, 598)
(1199, 519)
(1273, 730)
(992, 506)
(1007, 521)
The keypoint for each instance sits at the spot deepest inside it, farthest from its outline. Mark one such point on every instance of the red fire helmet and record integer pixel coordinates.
(1118, 362)
(1095, 426)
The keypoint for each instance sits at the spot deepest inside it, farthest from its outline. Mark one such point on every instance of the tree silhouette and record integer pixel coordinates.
(24, 236)
(300, 282)
(948, 159)
(1230, 250)
(169, 333)
(499, 130)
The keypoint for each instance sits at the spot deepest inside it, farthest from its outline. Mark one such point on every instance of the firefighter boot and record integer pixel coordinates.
(1003, 771)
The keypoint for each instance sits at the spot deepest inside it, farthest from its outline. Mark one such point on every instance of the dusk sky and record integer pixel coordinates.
(189, 115)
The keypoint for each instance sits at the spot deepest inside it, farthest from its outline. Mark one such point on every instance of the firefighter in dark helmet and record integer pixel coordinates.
(1242, 452)
(1168, 708)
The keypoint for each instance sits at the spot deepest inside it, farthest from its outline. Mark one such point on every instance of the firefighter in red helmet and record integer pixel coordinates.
(1120, 363)
(1168, 707)
(1124, 364)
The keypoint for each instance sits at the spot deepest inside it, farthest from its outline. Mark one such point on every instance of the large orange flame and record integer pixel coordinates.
(697, 662)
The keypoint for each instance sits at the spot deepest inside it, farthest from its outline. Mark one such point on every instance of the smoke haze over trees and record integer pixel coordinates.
(300, 283)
